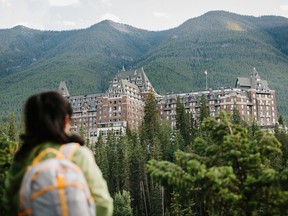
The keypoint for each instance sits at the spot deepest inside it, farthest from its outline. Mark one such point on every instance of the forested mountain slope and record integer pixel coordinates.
(227, 45)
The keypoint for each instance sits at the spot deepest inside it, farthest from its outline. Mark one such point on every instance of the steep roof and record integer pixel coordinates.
(243, 82)
(252, 82)
(63, 89)
(137, 77)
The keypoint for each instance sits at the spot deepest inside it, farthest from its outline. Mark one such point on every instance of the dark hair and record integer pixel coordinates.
(44, 117)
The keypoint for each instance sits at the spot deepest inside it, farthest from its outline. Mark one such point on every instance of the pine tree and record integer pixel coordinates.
(254, 128)
(228, 172)
(8, 149)
(100, 154)
(193, 127)
(166, 141)
(83, 132)
(149, 129)
(121, 168)
(236, 118)
(176, 205)
(281, 120)
(204, 109)
(112, 163)
(122, 204)
(136, 159)
(183, 122)
(282, 137)
(12, 130)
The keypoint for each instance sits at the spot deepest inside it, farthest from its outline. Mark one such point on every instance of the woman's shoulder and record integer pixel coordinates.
(79, 154)
(84, 150)
(73, 149)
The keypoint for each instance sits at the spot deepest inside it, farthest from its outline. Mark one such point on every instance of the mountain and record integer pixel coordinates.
(225, 44)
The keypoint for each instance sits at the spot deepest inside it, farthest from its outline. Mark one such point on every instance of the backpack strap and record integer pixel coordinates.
(42, 154)
(69, 149)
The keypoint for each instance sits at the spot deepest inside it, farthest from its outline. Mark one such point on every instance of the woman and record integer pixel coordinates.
(47, 118)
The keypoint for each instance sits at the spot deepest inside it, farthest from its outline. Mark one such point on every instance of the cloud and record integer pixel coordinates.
(63, 3)
(67, 23)
(106, 3)
(284, 7)
(6, 3)
(160, 14)
(109, 16)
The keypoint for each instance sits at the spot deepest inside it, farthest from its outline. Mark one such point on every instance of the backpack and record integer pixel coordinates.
(55, 186)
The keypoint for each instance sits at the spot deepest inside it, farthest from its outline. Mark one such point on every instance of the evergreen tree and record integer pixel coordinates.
(154, 136)
(100, 154)
(178, 142)
(83, 132)
(112, 163)
(136, 163)
(229, 173)
(156, 200)
(254, 128)
(121, 166)
(176, 205)
(204, 109)
(193, 126)
(168, 147)
(149, 129)
(122, 204)
(281, 120)
(282, 136)
(7, 150)
(183, 123)
(236, 118)
(12, 130)
(4, 130)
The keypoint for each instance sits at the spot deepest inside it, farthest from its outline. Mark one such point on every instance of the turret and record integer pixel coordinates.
(63, 89)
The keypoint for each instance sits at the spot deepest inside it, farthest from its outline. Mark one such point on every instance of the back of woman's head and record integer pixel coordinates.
(45, 115)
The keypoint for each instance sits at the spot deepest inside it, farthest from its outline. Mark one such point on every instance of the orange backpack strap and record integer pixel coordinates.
(42, 154)
(69, 149)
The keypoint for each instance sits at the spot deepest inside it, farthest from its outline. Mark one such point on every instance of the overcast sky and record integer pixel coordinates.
(145, 14)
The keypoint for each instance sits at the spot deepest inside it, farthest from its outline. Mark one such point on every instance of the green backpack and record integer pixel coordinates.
(55, 186)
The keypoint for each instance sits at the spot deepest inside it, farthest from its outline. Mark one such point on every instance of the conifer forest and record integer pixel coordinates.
(205, 166)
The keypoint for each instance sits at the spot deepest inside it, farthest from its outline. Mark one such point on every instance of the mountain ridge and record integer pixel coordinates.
(225, 44)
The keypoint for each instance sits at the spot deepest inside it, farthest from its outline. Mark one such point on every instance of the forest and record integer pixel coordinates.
(205, 166)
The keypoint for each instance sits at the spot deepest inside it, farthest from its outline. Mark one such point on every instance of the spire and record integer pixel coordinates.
(254, 72)
(254, 78)
(63, 89)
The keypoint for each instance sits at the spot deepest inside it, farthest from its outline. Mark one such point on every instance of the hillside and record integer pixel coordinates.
(226, 44)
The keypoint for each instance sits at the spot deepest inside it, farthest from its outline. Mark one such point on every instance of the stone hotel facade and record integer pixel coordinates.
(123, 103)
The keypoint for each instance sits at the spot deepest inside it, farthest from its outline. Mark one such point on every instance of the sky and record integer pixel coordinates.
(144, 14)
